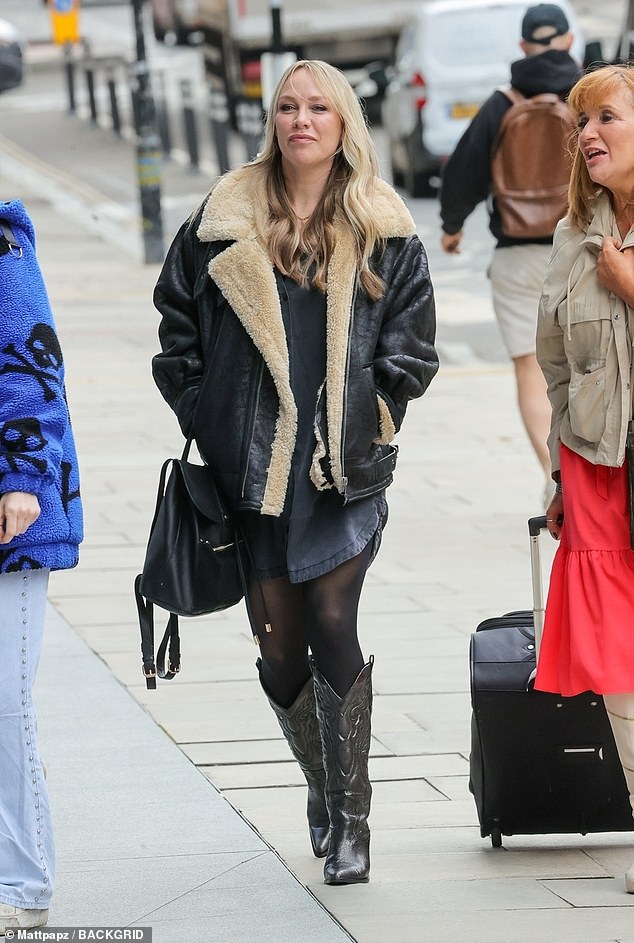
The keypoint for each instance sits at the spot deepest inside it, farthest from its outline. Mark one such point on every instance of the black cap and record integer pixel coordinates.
(541, 15)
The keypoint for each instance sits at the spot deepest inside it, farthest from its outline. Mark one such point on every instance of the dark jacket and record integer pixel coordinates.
(466, 179)
(221, 314)
(37, 451)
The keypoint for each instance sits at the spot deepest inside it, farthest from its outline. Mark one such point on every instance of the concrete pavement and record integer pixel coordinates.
(143, 839)
(153, 791)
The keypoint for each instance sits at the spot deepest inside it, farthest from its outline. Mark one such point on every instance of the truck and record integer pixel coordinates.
(357, 36)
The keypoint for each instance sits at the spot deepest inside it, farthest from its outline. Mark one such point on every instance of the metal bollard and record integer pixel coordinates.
(90, 84)
(219, 115)
(114, 104)
(69, 68)
(134, 101)
(162, 115)
(148, 158)
(249, 121)
(189, 123)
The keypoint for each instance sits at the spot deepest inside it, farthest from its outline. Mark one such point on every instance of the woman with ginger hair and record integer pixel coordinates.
(584, 346)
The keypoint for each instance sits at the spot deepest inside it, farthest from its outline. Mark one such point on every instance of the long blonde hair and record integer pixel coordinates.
(347, 194)
(590, 92)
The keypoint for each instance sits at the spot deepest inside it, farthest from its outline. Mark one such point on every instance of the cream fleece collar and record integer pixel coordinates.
(236, 207)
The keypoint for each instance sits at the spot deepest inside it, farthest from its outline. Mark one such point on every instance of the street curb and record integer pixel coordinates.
(71, 197)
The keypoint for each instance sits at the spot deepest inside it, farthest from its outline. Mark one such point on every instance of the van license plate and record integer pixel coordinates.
(464, 109)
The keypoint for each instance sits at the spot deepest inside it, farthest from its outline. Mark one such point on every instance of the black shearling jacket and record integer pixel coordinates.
(224, 363)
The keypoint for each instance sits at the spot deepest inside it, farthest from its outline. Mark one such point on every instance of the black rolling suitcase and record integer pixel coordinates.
(540, 763)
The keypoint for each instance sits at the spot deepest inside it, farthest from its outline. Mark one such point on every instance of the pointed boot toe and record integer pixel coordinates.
(347, 872)
(300, 727)
(317, 813)
(348, 860)
(345, 876)
(319, 839)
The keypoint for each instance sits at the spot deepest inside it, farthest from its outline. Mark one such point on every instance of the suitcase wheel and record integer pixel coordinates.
(496, 838)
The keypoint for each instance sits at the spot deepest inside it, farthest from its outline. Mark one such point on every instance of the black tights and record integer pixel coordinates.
(320, 615)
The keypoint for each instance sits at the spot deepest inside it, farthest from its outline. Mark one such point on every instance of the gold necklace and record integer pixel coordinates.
(302, 219)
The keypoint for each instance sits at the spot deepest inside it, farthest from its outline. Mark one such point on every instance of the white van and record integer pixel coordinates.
(449, 59)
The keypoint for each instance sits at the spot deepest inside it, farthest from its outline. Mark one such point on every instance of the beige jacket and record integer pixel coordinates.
(584, 345)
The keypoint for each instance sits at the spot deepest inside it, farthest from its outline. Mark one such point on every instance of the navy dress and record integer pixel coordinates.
(316, 531)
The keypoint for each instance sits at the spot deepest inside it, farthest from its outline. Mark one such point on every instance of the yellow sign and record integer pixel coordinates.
(464, 109)
(64, 20)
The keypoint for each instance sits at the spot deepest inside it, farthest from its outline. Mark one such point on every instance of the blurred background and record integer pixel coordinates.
(127, 110)
(135, 106)
(421, 69)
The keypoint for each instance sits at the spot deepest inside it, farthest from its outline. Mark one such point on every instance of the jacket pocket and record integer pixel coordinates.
(586, 404)
(588, 334)
(362, 419)
(588, 331)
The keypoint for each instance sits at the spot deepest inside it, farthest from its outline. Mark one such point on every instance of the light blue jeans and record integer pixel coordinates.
(27, 852)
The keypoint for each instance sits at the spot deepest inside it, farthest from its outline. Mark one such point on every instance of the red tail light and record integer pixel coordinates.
(418, 82)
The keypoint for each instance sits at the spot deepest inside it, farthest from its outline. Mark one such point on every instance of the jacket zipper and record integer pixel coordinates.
(252, 431)
(345, 390)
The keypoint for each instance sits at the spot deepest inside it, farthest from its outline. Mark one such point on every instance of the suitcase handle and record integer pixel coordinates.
(535, 526)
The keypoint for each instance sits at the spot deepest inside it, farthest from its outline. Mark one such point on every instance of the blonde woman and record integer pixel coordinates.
(297, 322)
(584, 346)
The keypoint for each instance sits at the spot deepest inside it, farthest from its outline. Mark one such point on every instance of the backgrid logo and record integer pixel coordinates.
(82, 934)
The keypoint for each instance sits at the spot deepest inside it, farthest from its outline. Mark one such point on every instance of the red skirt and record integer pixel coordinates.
(588, 640)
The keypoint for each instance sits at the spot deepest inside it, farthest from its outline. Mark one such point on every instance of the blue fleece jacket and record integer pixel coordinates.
(37, 451)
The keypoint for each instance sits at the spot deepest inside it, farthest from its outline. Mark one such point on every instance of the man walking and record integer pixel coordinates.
(519, 262)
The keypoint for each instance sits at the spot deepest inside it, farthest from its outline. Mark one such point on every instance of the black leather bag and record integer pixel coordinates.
(193, 562)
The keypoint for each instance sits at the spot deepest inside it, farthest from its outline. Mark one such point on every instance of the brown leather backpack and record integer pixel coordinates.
(531, 162)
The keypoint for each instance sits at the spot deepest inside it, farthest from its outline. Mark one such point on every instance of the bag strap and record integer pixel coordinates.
(152, 668)
(145, 610)
(239, 538)
(14, 246)
(513, 94)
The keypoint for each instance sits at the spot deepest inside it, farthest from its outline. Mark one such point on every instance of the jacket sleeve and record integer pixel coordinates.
(550, 350)
(178, 368)
(33, 410)
(405, 360)
(466, 177)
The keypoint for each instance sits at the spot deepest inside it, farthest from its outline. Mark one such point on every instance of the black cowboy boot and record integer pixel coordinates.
(299, 726)
(345, 733)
